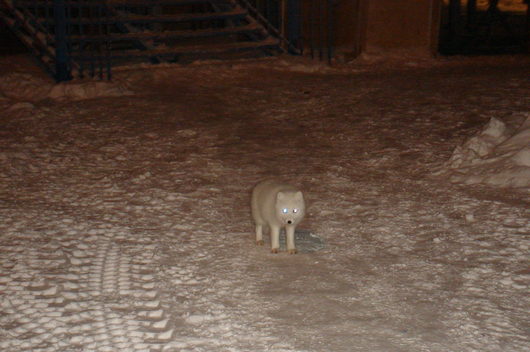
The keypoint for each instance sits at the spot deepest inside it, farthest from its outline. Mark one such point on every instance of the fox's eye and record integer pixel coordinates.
(295, 210)
(285, 210)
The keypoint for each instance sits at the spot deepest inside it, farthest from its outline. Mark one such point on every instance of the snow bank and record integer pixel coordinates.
(494, 156)
(27, 87)
(87, 90)
(24, 86)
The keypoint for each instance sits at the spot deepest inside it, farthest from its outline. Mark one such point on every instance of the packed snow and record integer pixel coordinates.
(125, 214)
(494, 156)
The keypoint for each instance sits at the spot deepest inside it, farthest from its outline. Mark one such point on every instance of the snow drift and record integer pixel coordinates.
(27, 87)
(494, 156)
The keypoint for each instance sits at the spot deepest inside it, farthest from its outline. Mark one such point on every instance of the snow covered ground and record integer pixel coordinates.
(125, 219)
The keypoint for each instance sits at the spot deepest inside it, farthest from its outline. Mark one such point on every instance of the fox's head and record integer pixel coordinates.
(290, 207)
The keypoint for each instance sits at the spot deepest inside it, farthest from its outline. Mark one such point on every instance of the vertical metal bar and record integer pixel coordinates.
(269, 11)
(62, 72)
(101, 42)
(454, 23)
(330, 19)
(108, 43)
(331, 29)
(50, 16)
(312, 21)
(302, 28)
(321, 29)
(471, 12)
(274, 6)
(92, 53)
(81, 44)
(490, 18)
(278, 9)
(47, 15)
(526, 42)
(293, 22)
(109, 58)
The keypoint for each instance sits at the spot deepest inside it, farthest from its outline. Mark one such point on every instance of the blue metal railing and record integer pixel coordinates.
(82, 37)
(62, 62)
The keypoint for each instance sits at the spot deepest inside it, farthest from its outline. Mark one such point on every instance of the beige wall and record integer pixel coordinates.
(401, 25)
(381, 26)
(349, 31)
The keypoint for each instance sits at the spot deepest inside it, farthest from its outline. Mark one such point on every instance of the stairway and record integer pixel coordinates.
(76, 38)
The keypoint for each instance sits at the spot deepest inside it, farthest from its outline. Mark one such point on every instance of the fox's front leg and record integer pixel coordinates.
(291, 249)
(259, 235)
(275, 239)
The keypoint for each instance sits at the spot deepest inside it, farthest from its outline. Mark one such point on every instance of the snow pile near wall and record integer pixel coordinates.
(494, 156)
(29, 88)
(24, 86)
(87, 90)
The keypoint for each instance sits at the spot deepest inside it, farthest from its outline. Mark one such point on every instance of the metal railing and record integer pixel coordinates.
(78, 37)
(321, 29)
(74, 20)
(308, 25)
(484, 28)
(272, 23)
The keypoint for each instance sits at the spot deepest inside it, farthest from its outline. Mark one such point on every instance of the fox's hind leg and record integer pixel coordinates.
(259, 235)
(275, 239)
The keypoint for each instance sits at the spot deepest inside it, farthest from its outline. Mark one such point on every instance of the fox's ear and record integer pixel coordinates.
(280, 196)
(299, 195)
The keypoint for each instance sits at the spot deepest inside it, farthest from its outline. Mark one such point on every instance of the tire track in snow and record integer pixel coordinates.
(486, 314)
(86, 293)
(215, 304)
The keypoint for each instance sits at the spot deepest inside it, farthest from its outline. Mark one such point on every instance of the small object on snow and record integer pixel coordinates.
(470, 218)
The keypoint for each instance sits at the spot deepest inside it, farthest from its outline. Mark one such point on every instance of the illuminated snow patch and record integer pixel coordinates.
(306, 242)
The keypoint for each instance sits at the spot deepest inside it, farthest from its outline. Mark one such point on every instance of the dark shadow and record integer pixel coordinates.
(469, 29)
(9, 43)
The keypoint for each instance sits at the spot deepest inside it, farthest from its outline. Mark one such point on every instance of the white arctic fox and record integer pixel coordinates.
(277, 205)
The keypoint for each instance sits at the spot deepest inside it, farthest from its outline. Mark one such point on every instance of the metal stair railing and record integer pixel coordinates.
(72, 22)
(79, 37)
(62, 60)
(39, 40)
(286, 45)
(126, 15)
(306, 25)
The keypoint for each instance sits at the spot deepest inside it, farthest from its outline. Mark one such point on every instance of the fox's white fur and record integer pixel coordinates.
(277, 205)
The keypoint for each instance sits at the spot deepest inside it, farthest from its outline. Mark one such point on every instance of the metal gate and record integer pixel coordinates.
(485, 27)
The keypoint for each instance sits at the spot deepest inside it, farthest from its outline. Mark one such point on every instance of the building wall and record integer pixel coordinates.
(387, 25)
(349, 29)
(373, 25)
(391, 25)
